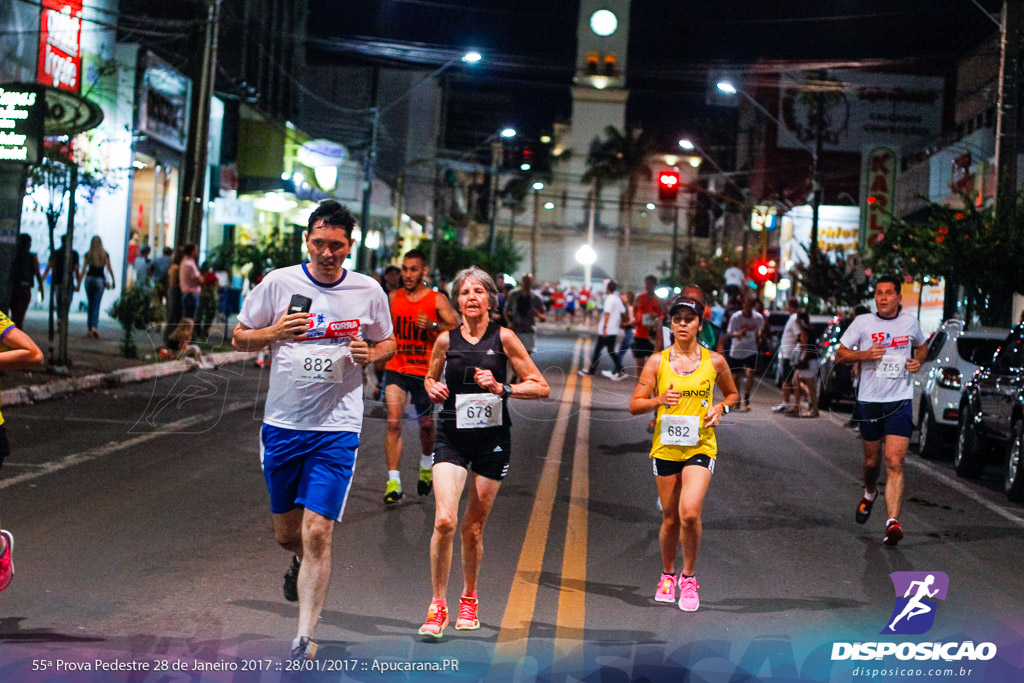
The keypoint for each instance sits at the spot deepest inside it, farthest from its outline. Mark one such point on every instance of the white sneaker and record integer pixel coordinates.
(608, 374)
(619, 376)
(586, 373)
(781, 407)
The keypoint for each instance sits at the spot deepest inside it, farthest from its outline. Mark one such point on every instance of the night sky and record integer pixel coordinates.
(530, 50)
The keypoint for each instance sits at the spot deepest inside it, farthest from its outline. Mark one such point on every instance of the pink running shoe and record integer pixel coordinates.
(689, 601)
(666, 589)
(7, 560)
(467, 620)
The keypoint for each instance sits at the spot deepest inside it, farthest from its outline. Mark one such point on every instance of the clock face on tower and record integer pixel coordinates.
(603, 22)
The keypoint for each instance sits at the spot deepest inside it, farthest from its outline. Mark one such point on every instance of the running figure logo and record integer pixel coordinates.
(914, 612)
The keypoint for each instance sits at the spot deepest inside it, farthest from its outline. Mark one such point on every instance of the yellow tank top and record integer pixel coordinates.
(698, 393)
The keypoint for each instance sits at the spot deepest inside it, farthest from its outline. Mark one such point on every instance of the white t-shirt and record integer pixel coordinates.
(745, 345)
(314, 383)
(614, 307)
(790, 337)
(886, 379)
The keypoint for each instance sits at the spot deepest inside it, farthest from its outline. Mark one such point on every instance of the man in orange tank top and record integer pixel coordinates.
(418, 314)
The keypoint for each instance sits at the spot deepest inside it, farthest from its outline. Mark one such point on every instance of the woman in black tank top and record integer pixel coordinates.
(467, 373)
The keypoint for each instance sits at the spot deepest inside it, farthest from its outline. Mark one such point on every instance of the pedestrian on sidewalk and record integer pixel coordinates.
(607, 330)
(173, 293)
(468, 368)
(317, 318)
(55, 269)
(24, 274)
(678, 383)
(891, 348)
(191, 281)
(17, 352)
(95, 267)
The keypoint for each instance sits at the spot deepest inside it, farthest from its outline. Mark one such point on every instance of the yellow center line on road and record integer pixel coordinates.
(572, 597)
(522, 598)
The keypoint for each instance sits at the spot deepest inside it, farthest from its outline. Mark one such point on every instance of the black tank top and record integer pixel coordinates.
(462, 360)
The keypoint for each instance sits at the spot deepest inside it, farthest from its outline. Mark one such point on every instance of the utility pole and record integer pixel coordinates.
(819, 128)
(368, 163)
(190, 217)
(496, 159)
(1008, 116)
(534, 231)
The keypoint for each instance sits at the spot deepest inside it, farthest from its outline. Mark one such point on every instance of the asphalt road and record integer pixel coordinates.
(143, 538)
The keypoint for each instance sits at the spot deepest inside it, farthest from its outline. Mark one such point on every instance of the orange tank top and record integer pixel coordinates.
(414, 344)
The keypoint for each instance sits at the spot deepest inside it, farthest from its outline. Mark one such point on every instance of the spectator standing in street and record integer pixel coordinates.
(607, 330)
(678, 383)
(95, 267)
(17, 352)
(628, 325)
(191, 281)
(805, 368)
(314, 405)
(468, 368)
(787, 347)
(24, 274)
(745, 329)
(523, 308)
(890, 348)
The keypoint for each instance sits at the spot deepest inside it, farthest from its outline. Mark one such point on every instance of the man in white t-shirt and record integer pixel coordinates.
(607, 329)
(787, 345)
(745, 329)
(890, 347)
(316, 318)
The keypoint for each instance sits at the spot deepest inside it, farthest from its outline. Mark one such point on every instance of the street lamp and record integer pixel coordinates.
(470, 57)
(537, 187)
(728, 88)
(586, 256)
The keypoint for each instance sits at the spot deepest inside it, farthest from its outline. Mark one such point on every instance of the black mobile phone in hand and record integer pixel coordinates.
(299, 304)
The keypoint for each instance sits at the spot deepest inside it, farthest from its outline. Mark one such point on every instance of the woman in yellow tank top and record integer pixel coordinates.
(679, 383)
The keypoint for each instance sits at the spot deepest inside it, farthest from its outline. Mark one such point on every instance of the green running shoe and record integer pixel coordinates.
(426, 482)
(393, 492)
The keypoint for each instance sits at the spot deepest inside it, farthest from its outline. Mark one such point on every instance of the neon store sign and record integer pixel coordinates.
(60, 42)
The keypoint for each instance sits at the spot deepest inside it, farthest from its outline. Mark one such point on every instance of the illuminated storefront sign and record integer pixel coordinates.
(60, 42)
(163, 103)
(22, 109)
(880, 185)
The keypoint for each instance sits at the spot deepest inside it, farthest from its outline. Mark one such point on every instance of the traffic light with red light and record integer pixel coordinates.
(761, 271)
(668, 186)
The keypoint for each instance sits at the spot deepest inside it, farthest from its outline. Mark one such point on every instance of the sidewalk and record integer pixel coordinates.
(97, 363)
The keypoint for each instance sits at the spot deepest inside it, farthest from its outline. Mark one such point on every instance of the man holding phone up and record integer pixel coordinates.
(317, 318)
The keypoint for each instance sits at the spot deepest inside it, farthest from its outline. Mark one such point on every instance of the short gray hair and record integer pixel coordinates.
(477, 275)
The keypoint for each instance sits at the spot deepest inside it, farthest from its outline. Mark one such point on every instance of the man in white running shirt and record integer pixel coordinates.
(316, 318)
(890, 347)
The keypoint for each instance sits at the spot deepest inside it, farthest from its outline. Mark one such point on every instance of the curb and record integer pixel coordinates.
(28, 395)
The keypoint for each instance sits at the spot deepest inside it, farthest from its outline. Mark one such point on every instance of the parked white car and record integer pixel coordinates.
(954, 353)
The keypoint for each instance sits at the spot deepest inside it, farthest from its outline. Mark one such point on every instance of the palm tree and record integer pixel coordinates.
(626, 155)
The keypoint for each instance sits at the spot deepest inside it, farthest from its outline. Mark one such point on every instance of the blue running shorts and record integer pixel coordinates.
(308, 469)
(894, 418)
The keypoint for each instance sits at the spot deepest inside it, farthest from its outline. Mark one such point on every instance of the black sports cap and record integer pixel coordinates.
(685, 302)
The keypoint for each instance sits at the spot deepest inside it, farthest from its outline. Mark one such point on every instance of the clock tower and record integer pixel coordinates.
(599, 86)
